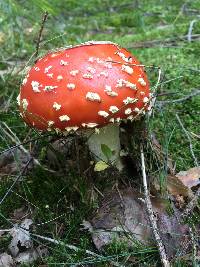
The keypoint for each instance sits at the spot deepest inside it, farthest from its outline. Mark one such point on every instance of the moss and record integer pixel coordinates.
(47, 195)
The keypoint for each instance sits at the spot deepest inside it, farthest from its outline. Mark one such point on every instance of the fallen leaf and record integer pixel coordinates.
(124, 218)
(100, 166)
(190, 178)
(176, 187)
(21, 247)
(87, 226)
(6, 260)
(31, 255)
(20, 237)
(28, 256)
(182, 182)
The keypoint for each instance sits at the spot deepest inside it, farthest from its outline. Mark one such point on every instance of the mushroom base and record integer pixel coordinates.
(108, 135)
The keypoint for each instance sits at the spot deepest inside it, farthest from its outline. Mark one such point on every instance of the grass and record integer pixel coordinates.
(48, 195)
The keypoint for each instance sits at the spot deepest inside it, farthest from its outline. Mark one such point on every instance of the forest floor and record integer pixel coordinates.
(57, 193)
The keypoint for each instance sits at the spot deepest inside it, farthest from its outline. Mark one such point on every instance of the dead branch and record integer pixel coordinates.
(194, 244)
(161, 248)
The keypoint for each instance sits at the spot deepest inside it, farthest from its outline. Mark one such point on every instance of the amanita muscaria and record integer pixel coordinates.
(94, 85)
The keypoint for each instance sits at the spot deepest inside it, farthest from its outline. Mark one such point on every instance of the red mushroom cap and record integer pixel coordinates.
(88, 85)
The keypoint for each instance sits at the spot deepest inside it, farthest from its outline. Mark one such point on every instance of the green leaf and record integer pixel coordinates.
(100, 166)
(106, 151)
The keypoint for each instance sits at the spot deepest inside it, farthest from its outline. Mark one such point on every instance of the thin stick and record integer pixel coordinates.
(194, 244)
(44, 18)
(76, 249)
(161, 248)
(189, 139)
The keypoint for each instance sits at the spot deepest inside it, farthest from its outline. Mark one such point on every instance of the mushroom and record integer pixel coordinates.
(90, 87)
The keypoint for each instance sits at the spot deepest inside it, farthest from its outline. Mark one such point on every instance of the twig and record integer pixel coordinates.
(44, 18)
(189, 139)
(5, 230)
(161, 248)
(16, 180)
(76, 249)
(194, 93)
(194, 244)
(189, 36)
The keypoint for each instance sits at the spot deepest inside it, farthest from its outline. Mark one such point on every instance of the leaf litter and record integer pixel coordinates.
(124, 218)
(21, 249)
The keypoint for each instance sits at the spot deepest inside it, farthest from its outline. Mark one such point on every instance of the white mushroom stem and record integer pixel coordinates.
(108, 135)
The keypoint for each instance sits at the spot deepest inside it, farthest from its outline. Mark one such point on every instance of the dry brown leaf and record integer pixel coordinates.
(124, 217)
(182, 182)
(190, 178)
(176, 187)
